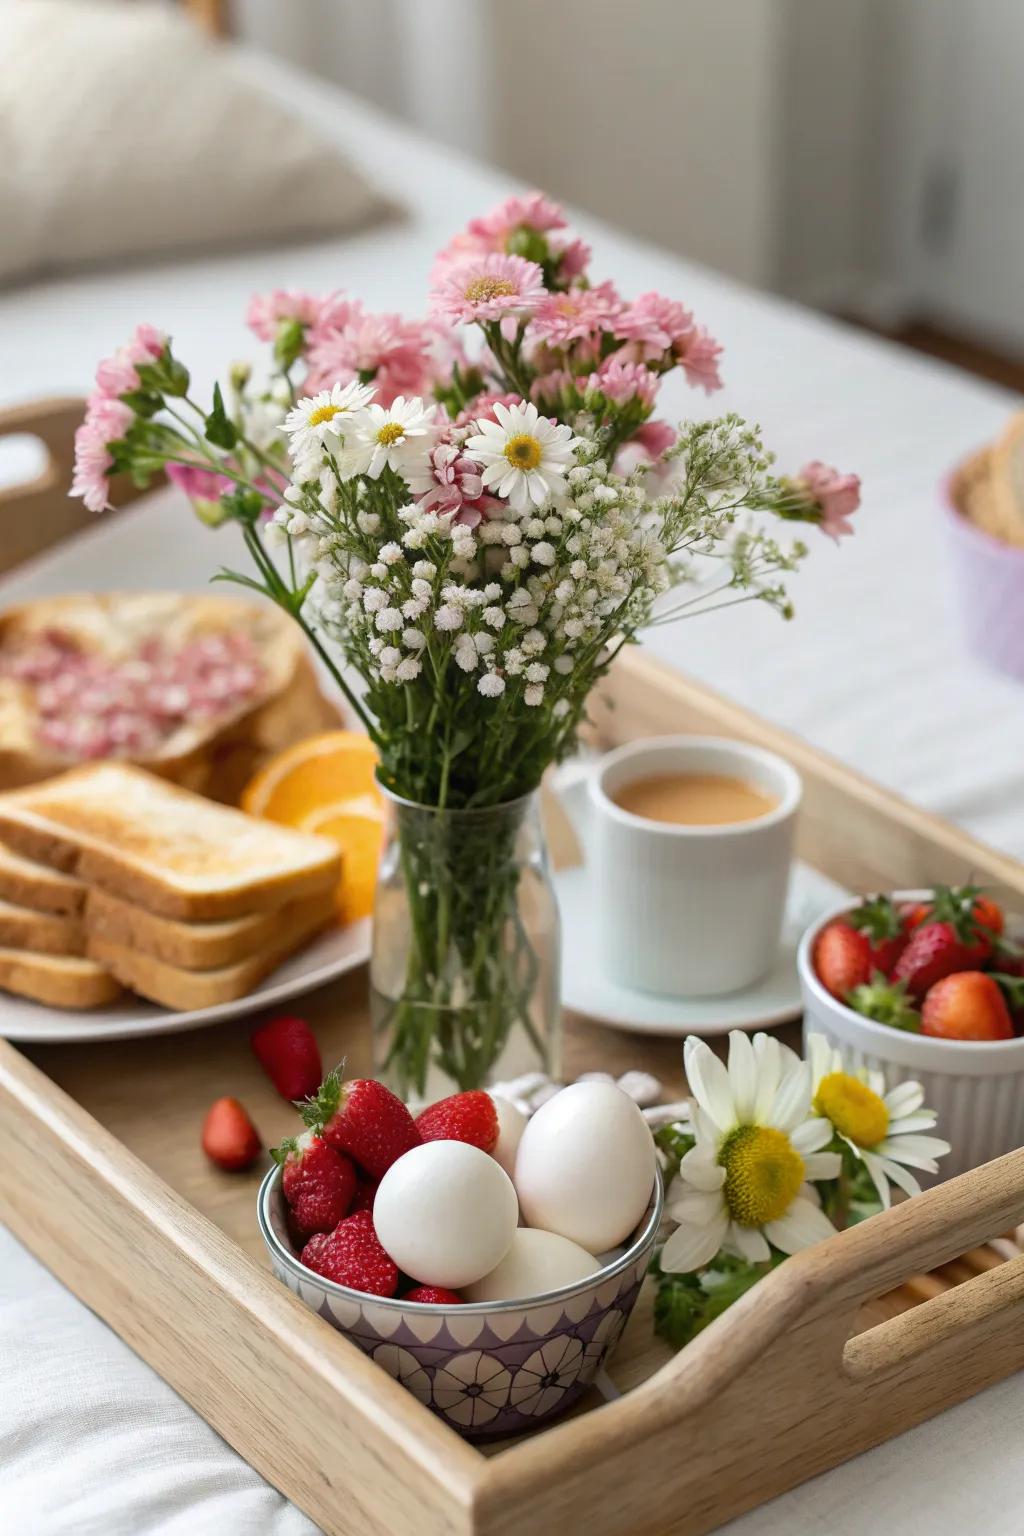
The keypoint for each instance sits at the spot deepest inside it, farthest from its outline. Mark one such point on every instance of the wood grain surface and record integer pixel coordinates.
(106, 1182)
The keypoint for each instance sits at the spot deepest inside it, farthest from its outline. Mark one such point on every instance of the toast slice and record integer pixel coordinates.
(28, 884)
(199, 946)
(169, 850)
(59, 981)
(49, 933)
(185, 990)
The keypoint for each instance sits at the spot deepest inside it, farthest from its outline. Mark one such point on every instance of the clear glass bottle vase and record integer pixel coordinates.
(464, 973)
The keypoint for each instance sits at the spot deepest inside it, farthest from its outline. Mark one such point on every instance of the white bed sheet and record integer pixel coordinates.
(872, 670)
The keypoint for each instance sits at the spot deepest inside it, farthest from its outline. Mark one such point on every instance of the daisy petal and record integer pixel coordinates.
(701, 1171)
(792, 1101)
(904, 1099)
(923, 1121)
(768, 1055)
(915, 1151)
(812, 1135)
(742, 1075)
(876, 1167)
(822, 1165)
(901, 1177)
(747, 1243)
(802, 1226)
(709, 1083)
(695, 1207)
(687, 1248)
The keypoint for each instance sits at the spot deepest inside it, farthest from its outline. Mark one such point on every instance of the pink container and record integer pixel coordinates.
(988, 575)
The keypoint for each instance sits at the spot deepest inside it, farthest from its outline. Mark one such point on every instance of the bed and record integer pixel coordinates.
(872, 670)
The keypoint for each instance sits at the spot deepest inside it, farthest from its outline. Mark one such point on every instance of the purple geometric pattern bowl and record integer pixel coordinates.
(489, 1367)
(988, 575)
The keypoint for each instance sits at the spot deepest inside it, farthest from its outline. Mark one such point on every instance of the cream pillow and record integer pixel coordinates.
(126, 133)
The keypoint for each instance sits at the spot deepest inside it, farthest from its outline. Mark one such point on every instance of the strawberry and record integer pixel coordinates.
(914, 913)
(886, 1002)
(352, 1255)
(950, 939)
(1010, 980)
(287, 1051)
(467, 1116)
(435, 1294)
(365, 1195)
(364, 1119)
(229, 1137)
(885, 929)
(966, 1005)
(842, 958)
(318, 1183)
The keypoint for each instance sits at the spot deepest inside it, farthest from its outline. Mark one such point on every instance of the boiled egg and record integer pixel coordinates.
(446, 1213)
(511, 1125)
(585, 1166)
(537, 1262)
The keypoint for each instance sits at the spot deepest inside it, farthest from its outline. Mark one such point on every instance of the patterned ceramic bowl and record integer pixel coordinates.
(488, 1367)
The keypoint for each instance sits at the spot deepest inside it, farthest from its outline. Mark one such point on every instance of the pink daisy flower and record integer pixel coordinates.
(622, 381)
(699, 353)
(482, 408)
(493, 287)
(576, 314)
(387, 350)
(106, 421)
(651, 325)
(118, 375)
(837, 496)
(267, 312)
(534, 211)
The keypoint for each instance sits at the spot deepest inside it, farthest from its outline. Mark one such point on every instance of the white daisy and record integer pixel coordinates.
(397, 437)
(525, 456)
(745, 1184)
(882, 1129)
(320, 419)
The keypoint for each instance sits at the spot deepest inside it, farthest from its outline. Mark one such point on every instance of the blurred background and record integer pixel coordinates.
(860, 156)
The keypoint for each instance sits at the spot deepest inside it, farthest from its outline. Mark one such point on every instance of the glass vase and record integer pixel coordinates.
(464, 974)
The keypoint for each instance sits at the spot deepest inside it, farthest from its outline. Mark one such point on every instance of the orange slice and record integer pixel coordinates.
(320, 771)
(358, 826)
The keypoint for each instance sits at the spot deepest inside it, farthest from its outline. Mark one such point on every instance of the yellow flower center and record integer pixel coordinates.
(483, 288)
(763, 1174)
(324, 413)
(390, 432)
(855, 1109)
(523, 452)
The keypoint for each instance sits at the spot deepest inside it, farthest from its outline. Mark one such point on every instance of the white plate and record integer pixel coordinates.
(773, 1000)
(327, 957)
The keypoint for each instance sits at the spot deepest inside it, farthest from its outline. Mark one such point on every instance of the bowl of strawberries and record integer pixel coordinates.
(927, 985)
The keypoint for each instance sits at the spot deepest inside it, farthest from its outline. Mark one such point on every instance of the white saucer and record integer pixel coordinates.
(327, 957)
(773, 1000)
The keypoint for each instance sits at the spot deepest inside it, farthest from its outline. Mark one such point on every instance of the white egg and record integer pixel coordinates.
(585, 1166)
(446, 1213)
(536, 1262)
(511, 1125)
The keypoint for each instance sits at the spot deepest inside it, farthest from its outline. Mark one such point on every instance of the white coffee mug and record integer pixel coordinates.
(685, 911)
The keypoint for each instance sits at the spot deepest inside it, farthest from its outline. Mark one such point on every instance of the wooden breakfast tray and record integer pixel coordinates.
(105, 1182)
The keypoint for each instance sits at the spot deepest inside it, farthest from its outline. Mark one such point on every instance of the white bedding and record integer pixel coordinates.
(872, 670)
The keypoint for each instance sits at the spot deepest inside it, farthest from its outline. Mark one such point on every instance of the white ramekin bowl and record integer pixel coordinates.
(975, 1088)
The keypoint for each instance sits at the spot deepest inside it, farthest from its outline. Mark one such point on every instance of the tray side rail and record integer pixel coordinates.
(782, 1387)
(233, 1341)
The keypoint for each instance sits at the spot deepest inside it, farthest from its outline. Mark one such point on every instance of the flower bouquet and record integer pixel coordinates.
(776, 1154)
(469, 516)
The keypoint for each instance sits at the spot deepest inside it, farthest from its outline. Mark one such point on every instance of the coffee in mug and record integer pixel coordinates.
(695, 799)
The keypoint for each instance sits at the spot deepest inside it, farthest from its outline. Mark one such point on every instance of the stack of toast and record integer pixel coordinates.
(111, 877)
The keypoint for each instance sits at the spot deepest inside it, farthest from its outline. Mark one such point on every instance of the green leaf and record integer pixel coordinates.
(218, 426)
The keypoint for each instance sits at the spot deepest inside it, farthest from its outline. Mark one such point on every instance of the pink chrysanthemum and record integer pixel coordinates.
(837, 496)
(576, 314)
(573, 260)
(453, 482)
(106, 421)
(268, 311)
(546, 389)
(198, 482)
(533, 212)
(652, 325)
(118, 375)
(699, 353)
(647, 445)
(391, 352)
(622, 381)
(491, 288)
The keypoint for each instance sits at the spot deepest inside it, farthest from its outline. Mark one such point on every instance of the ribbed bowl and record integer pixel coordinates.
(489, 1367)
(975, 1088)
